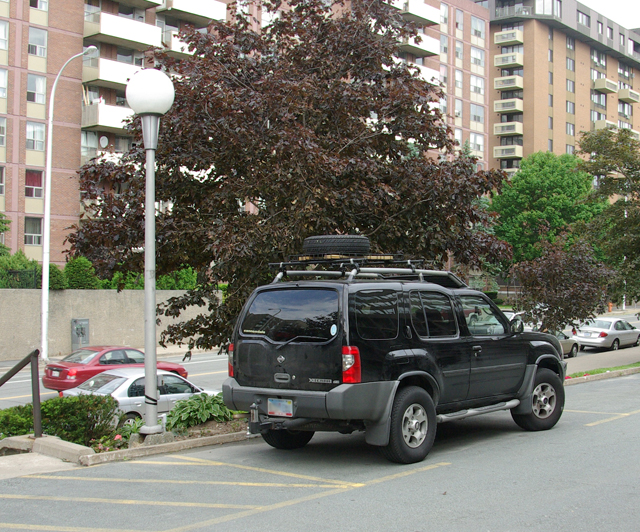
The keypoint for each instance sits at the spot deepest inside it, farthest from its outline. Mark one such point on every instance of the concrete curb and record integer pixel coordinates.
(601, 376)
(149, 450)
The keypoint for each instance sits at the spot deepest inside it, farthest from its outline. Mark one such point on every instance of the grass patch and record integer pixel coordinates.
(602, 370)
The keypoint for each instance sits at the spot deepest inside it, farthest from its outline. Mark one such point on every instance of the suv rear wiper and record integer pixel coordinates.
(302, 338)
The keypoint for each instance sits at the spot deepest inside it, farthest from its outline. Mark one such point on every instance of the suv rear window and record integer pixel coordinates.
(377, 314)
(300, 314)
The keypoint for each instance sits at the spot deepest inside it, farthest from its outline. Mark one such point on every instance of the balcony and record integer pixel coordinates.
(507, 152)
(511, 105)
(417, 11)
(508, 37)
(144, 4)
(427, 46)
(507, 83)
(510, 172)
(629, 96)
(605, 85)
(174, 46)
(108, 73)
(605, 124)
(120, 31)
(634, 134)
(428, 74)
(508, 128)
(103, 117)
(195, 12)
(508, 60)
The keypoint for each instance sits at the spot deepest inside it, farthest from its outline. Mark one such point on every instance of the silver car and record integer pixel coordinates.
(608, 333)
(570, 345)
(126, 385)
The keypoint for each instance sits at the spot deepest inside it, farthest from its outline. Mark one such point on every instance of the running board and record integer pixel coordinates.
(462, 414)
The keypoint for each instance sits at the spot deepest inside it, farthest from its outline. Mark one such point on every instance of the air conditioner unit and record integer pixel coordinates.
(458, 114)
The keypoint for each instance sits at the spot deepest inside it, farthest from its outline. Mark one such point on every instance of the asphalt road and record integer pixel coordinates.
(483, 474)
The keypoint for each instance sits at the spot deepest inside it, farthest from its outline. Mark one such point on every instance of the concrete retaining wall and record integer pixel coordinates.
(115, 318)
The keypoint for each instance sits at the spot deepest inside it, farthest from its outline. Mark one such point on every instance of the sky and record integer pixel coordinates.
(624, 12)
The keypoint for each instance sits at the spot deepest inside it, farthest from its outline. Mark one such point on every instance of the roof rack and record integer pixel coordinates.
(364, 267)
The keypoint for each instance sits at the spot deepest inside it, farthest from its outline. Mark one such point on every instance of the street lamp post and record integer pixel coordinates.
(46, 231)
(150, 94)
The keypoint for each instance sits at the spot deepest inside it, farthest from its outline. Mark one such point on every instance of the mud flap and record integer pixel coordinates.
(377, 432)
(525, 391)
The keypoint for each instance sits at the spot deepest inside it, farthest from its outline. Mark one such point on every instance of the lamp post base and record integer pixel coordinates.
(155, 429)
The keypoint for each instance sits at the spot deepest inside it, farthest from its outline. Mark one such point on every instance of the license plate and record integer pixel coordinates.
(280, 407)
(55, 373)
(587, 334)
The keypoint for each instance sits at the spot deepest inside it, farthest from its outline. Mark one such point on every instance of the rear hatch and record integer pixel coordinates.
(290, 337)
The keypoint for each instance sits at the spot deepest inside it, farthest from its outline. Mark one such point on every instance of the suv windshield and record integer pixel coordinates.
(298, 314)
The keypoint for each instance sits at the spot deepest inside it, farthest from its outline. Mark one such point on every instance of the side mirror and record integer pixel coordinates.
(517, 325)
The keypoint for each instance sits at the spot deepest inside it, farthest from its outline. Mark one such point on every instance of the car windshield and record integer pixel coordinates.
(599, 324)
(307, 315)
(102, 383)
(81, 356)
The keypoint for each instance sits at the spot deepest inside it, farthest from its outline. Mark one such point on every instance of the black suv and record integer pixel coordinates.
(377, 343)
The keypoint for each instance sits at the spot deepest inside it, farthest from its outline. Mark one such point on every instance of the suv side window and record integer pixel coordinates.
(432, 314)
(480, 317)
(377, 314)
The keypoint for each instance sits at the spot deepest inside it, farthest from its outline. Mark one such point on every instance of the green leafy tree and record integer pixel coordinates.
(57, 278)
(80, 274)
(18, 271)
(565, 285)
(544, 198)
(313, 122)
(613, 156)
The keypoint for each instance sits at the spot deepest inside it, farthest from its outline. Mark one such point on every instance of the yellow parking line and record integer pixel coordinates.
(23, 396)
(209, 373)
(592, 412)
(132, 502)
(193, 482)
(20, 526)
(337, 483)
(614, 418)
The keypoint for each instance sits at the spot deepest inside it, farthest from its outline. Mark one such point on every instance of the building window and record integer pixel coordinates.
(477, 84)
(550, 145)
(570, 149)
(477, 113)
(88, 144)
(36, 88)
(610, 33)
(459, 50)
(477, 141)
(571, 129)
(444, 14)
(571, 64)
(600, 28)
(550, 56)
(444, 74)
(584, 19)
(623, 69)
(477, 56)
(596, 115)
(550, 100)
(571, 108)
(571, 43)
(571, 85)
(550, 78)
(477, 27)
(1, 181)
(550, 122)
(458, 81)
(35, 136)
(599, 99)
(459, 19)
(596, 74)
(33, 184)
(3, 131)
(4, 35)
(33, 231)
(39, 4)
(457, 135)
(458, 109)
(123, 144)
(625, 109)
(599, 58)
(444, 44)
(443, 105)
(4, 80)
(621, 40)
(37, 42)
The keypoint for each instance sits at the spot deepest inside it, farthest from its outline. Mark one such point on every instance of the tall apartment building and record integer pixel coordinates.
(558, 68)
(38, 36)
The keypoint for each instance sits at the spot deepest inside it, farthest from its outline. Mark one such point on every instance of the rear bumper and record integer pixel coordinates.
(365, 401)
(60, 384)
(594, 341)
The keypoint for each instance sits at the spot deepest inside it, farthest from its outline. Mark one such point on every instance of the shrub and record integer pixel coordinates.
(80, 274)
(16, 421)
(198, 409)
(57, 278)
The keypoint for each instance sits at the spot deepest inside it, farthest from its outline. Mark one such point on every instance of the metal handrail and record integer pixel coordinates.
(31, 358)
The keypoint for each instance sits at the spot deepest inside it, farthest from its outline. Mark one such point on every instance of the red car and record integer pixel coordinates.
(84, 363)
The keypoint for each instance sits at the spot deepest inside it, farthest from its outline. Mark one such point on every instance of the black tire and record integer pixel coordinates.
(413, 426)
(615, 345)
(637, 342)
(128, 419)
(574, 351)
(287, 439)
(547, 400)
(351, 244)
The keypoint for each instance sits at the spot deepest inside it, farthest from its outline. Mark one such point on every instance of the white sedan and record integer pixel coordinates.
(126, 385)
(608, 333)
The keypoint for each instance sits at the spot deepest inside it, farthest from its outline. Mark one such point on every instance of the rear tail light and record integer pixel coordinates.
(72, 373)
(603, 334)
(230, 358)
(351, 372)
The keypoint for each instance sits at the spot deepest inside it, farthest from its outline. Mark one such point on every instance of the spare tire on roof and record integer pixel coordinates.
(348, 244)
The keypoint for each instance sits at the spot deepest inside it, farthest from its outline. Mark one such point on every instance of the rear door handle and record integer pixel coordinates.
(477, 349)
